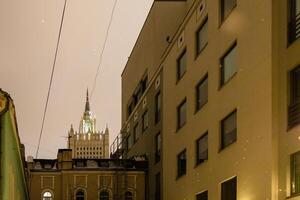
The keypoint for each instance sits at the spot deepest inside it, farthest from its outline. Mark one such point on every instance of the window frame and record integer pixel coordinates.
(158, 104)
(200, 161)
(158, 150)
(292, 174)
(198, 50)
(198, 106)
(293, 97)
(179, 75)
(222, 65)
(222, 134)
(182, 103)
(292, 22)
(181, 170)
(222, 9)
(145, 119)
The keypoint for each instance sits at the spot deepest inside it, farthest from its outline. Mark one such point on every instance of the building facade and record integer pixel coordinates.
(86, 179)
(223, 78)
(88, 142)
(13, 176)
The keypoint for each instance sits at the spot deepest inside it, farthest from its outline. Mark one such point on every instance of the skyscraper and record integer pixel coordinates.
(88, 142)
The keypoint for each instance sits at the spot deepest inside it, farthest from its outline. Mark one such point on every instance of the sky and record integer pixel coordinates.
(28, 36)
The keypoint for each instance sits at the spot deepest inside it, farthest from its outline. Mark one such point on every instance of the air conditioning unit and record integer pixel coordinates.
(200, 9)
(180, 41)
(157, 82)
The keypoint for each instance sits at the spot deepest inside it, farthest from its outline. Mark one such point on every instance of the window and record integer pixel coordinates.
(135, 133)
(181, 65)
(294, 20)
(228, 189)
(295, 173)
(157, 186)
(228, 130)
(294, 107)
(202, 37)
(47, 196)
(202, 196)
(157, 147)
(145, 121)
(80, 195)
(226, 7)
(202, 149)
(104, 195)
(181, 163)
(202, 93)
(157, 107)
(228, 64)
(129, 141)
(181, 114)
(128, 195)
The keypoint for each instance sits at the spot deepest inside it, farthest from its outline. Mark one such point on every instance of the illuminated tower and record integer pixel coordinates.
(88, 142)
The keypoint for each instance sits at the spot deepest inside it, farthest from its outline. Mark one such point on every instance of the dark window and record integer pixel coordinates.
(202, 93)
(228, 64)
(145, 122)
(202, 196)
(157, 186)
(228, 189)
(79, 195)
(128, 195)
(181, 163)
(135, 133)
(144, 84)
(130, 108)
(157, 107)
(202, 149)
(294, 107)
(202, 37)
(295, 173)
(294, 20)
(104, 195)
(181, 114)
(157, 147)
(226, 7)
(181, 65)
(228, 130)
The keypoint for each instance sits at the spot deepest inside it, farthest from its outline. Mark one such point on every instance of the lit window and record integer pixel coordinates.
(181, 65)
(228, 64)
(228, 130)
(181, 114)
(202, 37)
(47, 196)
(202, 149)
(228, 189)
(181, 163)
(226, 7)
(202, 93)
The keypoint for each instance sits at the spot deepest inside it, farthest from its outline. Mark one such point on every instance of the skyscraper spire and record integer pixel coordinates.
(87, 103)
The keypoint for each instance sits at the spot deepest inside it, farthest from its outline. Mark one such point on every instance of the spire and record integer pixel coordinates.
(87, 103)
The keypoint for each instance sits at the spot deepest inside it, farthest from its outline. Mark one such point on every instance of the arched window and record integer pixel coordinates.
(128, 195)
(104, 195)
(80, 195)
(47, 196)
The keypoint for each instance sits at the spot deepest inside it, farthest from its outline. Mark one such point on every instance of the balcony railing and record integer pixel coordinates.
(294, 28)
(118, 147)
(294, 115)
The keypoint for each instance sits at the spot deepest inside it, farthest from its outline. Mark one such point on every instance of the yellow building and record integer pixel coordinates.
(211, 95)
(65, 178)
(88, 142)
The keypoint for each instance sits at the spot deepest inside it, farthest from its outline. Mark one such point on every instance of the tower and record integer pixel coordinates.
(88, 142)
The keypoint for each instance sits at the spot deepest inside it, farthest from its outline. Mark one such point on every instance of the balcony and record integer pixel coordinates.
(118, 147)
(294, 115)
(294, 28)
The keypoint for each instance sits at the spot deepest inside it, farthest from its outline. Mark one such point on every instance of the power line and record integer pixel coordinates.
(51, 78)
(103, 47)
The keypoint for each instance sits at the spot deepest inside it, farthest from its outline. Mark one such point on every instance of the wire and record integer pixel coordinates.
(103, 47)
(51, 78)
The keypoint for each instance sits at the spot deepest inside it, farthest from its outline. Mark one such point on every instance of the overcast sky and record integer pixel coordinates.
(28, 36)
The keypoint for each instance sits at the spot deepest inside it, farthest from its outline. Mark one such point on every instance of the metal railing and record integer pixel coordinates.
(118, 146)
(294, 28)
